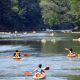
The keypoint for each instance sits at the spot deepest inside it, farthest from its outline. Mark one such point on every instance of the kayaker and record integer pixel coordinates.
(40, 70)
(17, 53)
(70, 51)
(39, 73)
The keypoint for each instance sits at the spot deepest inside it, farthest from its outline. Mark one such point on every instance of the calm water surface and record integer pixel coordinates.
(50, 54)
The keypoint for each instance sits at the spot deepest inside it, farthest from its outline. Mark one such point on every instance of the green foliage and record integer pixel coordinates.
(75, 11)
(50, 18)
(38, 12)
(53, 10)
(56, 11)
(14, 5)
(74, 6)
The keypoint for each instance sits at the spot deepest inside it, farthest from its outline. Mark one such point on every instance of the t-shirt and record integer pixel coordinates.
(39, 70)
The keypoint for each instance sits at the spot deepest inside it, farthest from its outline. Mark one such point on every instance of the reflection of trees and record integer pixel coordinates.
(34, 44)
(74, 77)
(50, 47)
(58, 47)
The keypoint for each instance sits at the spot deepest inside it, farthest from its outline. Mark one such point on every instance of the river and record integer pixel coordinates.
(45, 50)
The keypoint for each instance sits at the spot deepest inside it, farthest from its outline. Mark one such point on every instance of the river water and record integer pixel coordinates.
(50, 53)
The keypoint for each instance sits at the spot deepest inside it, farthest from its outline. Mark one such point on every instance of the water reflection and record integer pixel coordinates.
(46, 48)
(74, 77)
(17, 59)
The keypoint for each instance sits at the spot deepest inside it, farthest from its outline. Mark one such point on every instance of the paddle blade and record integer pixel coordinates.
(26, 54)
(66, 49)
(47, 68)
(27, 73)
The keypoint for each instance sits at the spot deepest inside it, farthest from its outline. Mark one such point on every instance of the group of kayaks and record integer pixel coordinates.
(40, 76)
(36, 76)
(69, 55)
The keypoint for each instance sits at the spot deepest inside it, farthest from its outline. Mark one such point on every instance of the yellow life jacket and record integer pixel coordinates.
(17, 53)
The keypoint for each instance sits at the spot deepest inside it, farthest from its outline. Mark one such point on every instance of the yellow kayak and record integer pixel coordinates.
(16, 57)
(39, 76)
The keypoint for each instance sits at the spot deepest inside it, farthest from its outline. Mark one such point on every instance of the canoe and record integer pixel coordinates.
(39, 76)
(71, 55)
(16, 57)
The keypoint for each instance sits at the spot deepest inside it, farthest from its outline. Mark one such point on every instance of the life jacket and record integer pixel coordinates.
(39, 70)
(17, 53)
(37, 74)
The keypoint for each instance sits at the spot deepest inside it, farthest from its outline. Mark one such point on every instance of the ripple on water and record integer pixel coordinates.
(60, 67)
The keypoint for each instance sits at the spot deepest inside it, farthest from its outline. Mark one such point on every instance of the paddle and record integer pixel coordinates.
(27, 73)
(26, 54)
(66, 49)
(46, 68)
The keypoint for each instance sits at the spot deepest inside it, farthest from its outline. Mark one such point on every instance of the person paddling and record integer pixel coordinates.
(70, 51)
(17, 54)
(39, 73)
(40, 70)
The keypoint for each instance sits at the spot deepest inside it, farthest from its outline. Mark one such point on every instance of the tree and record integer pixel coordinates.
(75, 11)
(53, 11)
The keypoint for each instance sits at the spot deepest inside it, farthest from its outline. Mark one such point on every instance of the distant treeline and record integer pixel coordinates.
(23, 15)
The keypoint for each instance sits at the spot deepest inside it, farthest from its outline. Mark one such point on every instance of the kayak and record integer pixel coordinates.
(39, 76)
(79, 55)
(16, 57)
(71, 55)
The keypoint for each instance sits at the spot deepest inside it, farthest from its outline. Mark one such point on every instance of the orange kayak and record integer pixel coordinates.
(79, 55)
(71, 55)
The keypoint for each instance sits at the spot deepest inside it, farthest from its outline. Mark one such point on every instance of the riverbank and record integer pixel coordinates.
(34, 33)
